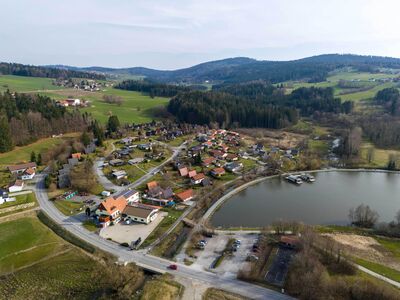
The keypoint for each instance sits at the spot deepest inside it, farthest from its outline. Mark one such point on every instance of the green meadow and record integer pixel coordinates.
(25, 241)
(26, 84)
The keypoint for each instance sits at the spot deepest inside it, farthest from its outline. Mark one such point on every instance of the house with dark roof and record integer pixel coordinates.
(21, 168)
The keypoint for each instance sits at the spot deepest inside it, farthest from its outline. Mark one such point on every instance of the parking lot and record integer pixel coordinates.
(123, 233)
(231, 264)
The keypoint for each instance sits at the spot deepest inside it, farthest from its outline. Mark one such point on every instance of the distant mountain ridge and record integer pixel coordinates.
(314, 68)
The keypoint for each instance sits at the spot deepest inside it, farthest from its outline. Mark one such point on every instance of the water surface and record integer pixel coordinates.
(326, 201)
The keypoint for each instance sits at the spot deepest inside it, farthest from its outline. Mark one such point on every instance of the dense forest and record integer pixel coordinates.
(390, 99)
(229, 111)
(152, 89)
(25, 118)
(36, 71)
(254, 104)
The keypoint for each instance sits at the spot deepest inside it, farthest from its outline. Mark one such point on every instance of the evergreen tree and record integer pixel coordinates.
(113, 124)
(6, 143)
(39, 159)
(33, 156)
(85, 139)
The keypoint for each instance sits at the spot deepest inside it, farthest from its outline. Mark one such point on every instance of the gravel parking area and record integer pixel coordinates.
(122, 233)
(231, 264)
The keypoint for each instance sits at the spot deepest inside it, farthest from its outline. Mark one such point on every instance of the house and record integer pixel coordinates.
(116, 162)
(141, 214)
(18, 169)
(223, 147)
(76, 155)
(206, 182)
(136, 160)
(218, 154)
(17, 186)
(185, 195)
(208, 161)
(191, 173)
(119, 174)
(207, 144)
(183, 171)
(110, 210)
(232, 157)
(152, 184)
(217, 172)
(28, 174)
(233, 167)
(145, 147)
(90, 148)
(126, 141)
(198, 178)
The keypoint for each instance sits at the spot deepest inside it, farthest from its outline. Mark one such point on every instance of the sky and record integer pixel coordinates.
(171, 34)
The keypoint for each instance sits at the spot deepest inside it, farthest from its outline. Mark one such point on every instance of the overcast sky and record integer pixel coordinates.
(170, 34)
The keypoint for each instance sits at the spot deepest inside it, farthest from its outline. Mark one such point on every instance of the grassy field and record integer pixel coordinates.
(25, 241)
(23, 154)
(66, 276)
(392, 245)
(26, 84)
(162, 288)
(380, 156)
(68, 207)
(135, 108)
(380, 269)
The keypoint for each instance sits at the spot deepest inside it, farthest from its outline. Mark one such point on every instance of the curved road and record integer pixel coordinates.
(146, 261)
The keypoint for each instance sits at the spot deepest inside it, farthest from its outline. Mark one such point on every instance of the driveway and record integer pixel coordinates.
(122, 233)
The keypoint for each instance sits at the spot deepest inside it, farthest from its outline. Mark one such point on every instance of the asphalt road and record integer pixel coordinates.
(146, 261)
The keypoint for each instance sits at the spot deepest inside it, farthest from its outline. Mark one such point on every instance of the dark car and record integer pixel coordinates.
(173, 267)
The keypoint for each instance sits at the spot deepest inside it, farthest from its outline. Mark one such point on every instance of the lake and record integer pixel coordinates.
(326, 201)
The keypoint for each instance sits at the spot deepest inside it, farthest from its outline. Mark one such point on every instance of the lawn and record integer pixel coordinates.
(68, 207)
(26, 84)
(217, 294)
(162, 288)
(90, 225)
(23, 154)
(71, 275)
(378, 268)
(20, 199)
(318, 146)
(25, 241)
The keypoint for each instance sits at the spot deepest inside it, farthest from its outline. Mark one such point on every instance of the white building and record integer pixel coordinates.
(16, 187)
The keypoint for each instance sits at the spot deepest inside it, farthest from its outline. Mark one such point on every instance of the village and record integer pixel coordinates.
(154, 180)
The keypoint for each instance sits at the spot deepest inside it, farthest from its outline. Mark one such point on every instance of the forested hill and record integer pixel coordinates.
(36, 71)
(240, 69)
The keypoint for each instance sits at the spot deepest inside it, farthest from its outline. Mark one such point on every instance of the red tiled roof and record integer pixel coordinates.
(192, 173)
(111, 205)
(185, 195)
(198, 176)
(152, 185)
(218, 171)
(183, 171)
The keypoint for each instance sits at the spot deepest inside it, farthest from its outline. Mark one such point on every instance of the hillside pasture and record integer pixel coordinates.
(26, 84)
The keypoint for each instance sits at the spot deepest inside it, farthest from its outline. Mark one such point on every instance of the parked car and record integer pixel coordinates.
(173, 267)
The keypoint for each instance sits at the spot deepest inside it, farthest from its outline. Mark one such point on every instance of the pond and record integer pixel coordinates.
(326, 201)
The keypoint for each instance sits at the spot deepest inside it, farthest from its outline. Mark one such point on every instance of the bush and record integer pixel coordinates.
(124, 244)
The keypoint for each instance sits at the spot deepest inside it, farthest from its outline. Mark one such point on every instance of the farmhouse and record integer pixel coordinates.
(18, 169)
(17, 186)
(141, 214)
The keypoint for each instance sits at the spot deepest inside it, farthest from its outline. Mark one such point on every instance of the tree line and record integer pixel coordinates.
(152, 89)
(36, 71)
(25, 118)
